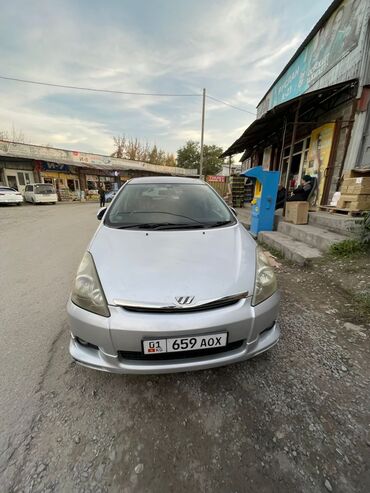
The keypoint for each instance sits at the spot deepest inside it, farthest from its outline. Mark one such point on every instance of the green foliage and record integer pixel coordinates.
(363, 301)
(188, 156)
(347, 248)
(351, 247)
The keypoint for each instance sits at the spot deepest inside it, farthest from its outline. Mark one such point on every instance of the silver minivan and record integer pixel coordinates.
(171, 281)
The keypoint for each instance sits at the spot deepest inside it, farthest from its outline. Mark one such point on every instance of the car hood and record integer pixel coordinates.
(158, 266)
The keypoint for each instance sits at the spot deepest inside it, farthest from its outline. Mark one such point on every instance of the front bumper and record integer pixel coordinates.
(110, 339)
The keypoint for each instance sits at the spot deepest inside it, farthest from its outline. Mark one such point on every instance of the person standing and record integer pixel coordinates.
(102, 196)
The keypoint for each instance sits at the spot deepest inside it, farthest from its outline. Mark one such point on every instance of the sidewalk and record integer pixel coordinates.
(244, 215)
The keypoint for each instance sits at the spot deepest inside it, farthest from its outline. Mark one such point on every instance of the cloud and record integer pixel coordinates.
(234, 48)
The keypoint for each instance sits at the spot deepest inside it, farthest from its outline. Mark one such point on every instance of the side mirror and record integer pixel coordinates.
(101, 213)
(233, 211)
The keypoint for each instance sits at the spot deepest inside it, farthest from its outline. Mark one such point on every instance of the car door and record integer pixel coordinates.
(27, 193)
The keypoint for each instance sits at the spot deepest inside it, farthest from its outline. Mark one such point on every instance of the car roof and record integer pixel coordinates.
(165, 179)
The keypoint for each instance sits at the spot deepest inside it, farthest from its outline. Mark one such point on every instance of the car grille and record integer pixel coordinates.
(138, 356)
(209, 306)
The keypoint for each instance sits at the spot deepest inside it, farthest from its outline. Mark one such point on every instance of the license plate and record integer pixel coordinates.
(178, 344)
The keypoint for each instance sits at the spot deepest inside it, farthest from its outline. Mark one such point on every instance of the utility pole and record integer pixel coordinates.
(202, 134)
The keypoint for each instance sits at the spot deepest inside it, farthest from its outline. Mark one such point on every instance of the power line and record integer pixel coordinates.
(231, 105)
(80, 88)
(128, 93)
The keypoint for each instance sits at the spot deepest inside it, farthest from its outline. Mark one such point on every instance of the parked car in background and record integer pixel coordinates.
(171, 281)
(40, 193)
(109, 196)
(9, 195)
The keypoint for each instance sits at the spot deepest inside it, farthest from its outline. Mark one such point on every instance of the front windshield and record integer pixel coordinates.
(168, 206)
(44, 189)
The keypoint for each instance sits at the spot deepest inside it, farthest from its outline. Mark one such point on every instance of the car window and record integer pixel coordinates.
(168, 204)
(44, 188)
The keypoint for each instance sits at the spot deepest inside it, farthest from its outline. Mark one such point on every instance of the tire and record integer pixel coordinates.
(19, 203)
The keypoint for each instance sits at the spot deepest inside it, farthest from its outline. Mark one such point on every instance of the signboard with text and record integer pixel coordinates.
(336, 38)
(216, 179)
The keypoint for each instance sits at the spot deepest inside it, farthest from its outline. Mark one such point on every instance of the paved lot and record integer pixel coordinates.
(294, 419)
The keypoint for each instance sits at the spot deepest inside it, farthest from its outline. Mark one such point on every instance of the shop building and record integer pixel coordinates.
(72, 172)
(315, 118)
(17, 173)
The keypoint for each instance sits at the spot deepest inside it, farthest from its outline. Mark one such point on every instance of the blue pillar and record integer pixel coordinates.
(264, 200)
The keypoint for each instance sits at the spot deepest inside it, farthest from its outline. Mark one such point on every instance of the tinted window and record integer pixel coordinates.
(167, 206)
(44, 189)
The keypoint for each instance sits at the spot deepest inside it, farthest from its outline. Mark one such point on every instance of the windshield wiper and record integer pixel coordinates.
(139, 226)
(159, 226)
(219, 223)
(179, 226)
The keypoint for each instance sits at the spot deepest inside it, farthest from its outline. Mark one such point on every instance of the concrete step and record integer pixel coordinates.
(339, 223)
(311, 235)
(245, 216)
(291, 249)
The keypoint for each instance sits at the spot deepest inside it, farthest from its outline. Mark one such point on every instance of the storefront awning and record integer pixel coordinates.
(265, 127)
(85, 160)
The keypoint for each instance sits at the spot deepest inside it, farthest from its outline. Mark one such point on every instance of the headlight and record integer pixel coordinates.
(265, 284)
(87, 292)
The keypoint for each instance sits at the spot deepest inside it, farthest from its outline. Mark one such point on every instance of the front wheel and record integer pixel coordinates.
(19, 203)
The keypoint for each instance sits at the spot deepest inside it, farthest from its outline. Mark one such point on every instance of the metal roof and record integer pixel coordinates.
(84, 159)
(272, 120)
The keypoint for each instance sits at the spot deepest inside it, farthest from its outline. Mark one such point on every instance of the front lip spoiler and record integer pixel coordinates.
(98, 360)
(175, 307)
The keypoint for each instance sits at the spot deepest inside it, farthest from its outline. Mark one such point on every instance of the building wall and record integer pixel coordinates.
(344, 112)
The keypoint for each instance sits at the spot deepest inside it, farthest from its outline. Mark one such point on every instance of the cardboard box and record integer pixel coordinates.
(356, 186)
(354, 173)
(296, 212)
(354, 202)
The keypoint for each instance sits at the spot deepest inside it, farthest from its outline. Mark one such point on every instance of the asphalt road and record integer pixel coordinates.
(294, 419)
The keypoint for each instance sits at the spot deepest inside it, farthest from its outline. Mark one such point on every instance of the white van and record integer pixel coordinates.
(40, 193)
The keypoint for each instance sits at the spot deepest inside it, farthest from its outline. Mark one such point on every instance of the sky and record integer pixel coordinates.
(233, 48)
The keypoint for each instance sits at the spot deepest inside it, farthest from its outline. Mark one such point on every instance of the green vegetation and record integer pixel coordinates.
(352, 247)
(347, 248)
(188, 156)
(363, 302)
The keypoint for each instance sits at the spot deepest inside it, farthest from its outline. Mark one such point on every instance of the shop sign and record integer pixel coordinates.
(337, 37)
(55, 167)
(216, 179)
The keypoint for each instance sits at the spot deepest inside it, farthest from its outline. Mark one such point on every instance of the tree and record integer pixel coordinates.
(129, 148)
(14, 135)
(188, 156)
